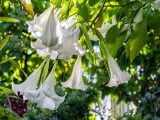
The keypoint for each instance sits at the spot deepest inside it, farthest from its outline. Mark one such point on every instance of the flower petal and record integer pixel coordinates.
(44, 26)
(38, 45)
(31, 83)
(70, 46)
(48, 98)
(76, 79)
(117, 76)
(46, 102)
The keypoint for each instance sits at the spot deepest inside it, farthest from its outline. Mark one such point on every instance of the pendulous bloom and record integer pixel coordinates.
(117, 76)
(69, 37)
(44, 29)
(45, 96)
(76, 80)
(49, 99)
(31, 83)
(55, 38)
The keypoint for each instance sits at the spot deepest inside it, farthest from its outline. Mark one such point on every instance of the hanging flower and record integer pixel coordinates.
(45, 96)
(116, 75)
(55, 38)
(69, 44)
(31, 83)
(50, 99)
(76, 79)
(44, 29)
(69, 35)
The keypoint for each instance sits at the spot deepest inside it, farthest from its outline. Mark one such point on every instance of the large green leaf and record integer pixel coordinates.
(3, 42)
(112, 34)
(8, 19)
(137, 40)
(83, 11)
(114, 39)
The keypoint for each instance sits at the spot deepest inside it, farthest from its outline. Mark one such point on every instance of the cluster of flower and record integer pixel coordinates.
(58, 40)
(18, 105)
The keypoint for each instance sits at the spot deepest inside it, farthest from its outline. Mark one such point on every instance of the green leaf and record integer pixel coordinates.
(4, 42)
(83, 11)
(93, 2)
(153, 20)
(113, 47)
(4, 90)
(112, 34)
(137, 40)
(8, 19)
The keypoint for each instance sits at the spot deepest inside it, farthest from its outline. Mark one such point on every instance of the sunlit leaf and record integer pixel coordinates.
(83, 11)
(137, 40)
(8, 19)
(3, 42)
(4, 90)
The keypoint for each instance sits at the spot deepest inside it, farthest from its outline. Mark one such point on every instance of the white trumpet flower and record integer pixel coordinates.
(50, 99)
(76, 80)
(69, 35)
(54, 38)
(44, 29)
(31, 83)
(69, 44)
(116, 75)
(45, 96)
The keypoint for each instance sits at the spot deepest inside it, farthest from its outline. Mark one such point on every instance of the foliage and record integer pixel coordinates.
(134, 41)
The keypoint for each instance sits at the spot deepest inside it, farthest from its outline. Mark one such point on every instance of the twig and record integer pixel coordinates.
(101, 10)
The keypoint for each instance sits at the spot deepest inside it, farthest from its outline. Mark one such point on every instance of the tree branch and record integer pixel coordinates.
(101, 10)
